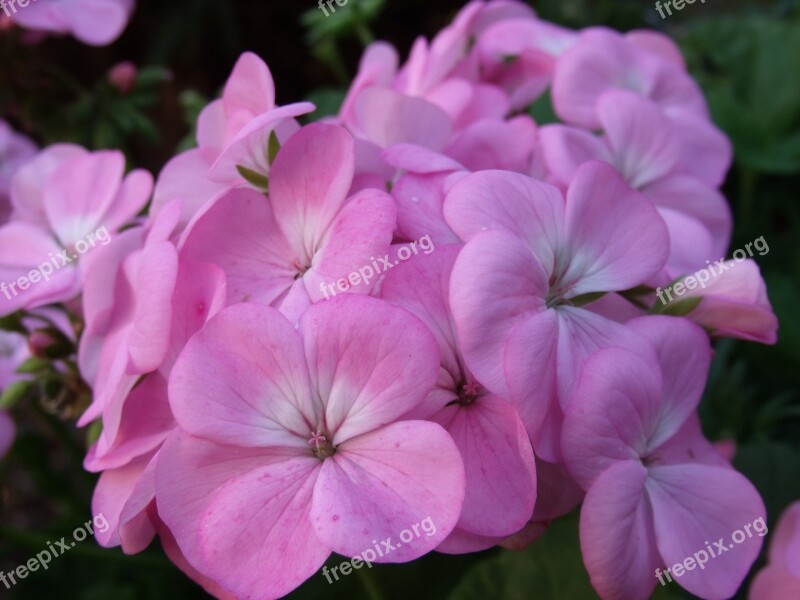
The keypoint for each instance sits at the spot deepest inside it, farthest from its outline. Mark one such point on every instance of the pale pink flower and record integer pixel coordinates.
(290, 444)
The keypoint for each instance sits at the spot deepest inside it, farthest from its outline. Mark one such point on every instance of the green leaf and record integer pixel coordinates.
(14, 393)
(255, 179)
(585, 299)
(273, 147)
(33, 365)
(774, 468)
(551, 568)
(328, 102)
(542, 110)
(677, 308)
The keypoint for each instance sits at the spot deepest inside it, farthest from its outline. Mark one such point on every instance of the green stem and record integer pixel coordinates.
(370, 585)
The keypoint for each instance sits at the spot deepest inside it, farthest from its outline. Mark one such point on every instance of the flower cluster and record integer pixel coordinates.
(521, 367)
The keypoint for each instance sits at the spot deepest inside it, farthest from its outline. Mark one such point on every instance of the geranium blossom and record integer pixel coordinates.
(657, 491)
(306, 418)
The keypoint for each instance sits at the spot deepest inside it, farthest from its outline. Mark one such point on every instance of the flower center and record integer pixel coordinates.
(468, 391)
(320, 445)
(301, 269)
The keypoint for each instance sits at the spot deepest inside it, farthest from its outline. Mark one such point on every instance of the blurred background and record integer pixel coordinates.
(744, 53)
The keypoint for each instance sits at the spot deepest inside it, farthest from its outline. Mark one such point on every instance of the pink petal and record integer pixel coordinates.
(114, 491)
(785, 546)
(249, 146)
(256, 537)
(617, 537)
(23, 248)
(510, 202)
(80, 192)
(310, 179)
(387, 117)
(27, 186)
(422, 286)
(616, 238)
(361, 231)
(185, 178)
(567, 148)
(190, 471)
(695, 505)
(644, 145)
(152, 275)
(199, 295)
(258, 261)
(357, 352)
(130, 200)
(611, 414)
(250, 87)
(420, 199)
(684, 357)
(496, 283)
(144, 424)
(595, 64)
(384, 482)
(774, 582)
(242, 380)
(499, 465)
(707, 152)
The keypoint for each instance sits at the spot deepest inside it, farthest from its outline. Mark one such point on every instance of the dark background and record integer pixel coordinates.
(746, 55)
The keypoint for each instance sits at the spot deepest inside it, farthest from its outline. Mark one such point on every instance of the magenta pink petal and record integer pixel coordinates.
(616, 238)
(358, 359)
(256, 537)
(696, 505)
(250, 87)
(361, 232)
(496, 283)
(387, 117)
(612, 413)
(242, 380)
(617, 537)
(384, 482)
(80, 192)
(499, 465)
(310, 180)
(499, 200)
(684, 357)
(257, 261)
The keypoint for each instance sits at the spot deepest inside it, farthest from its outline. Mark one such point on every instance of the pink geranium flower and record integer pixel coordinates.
(603, 60)
(233, 137)
(498, 459)
(290, 444)
(732, 302)
(64, 199)
(94, 22)
(657, 491)
(644, 146)
(781, 577)
(531, 262)
(309, 235)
